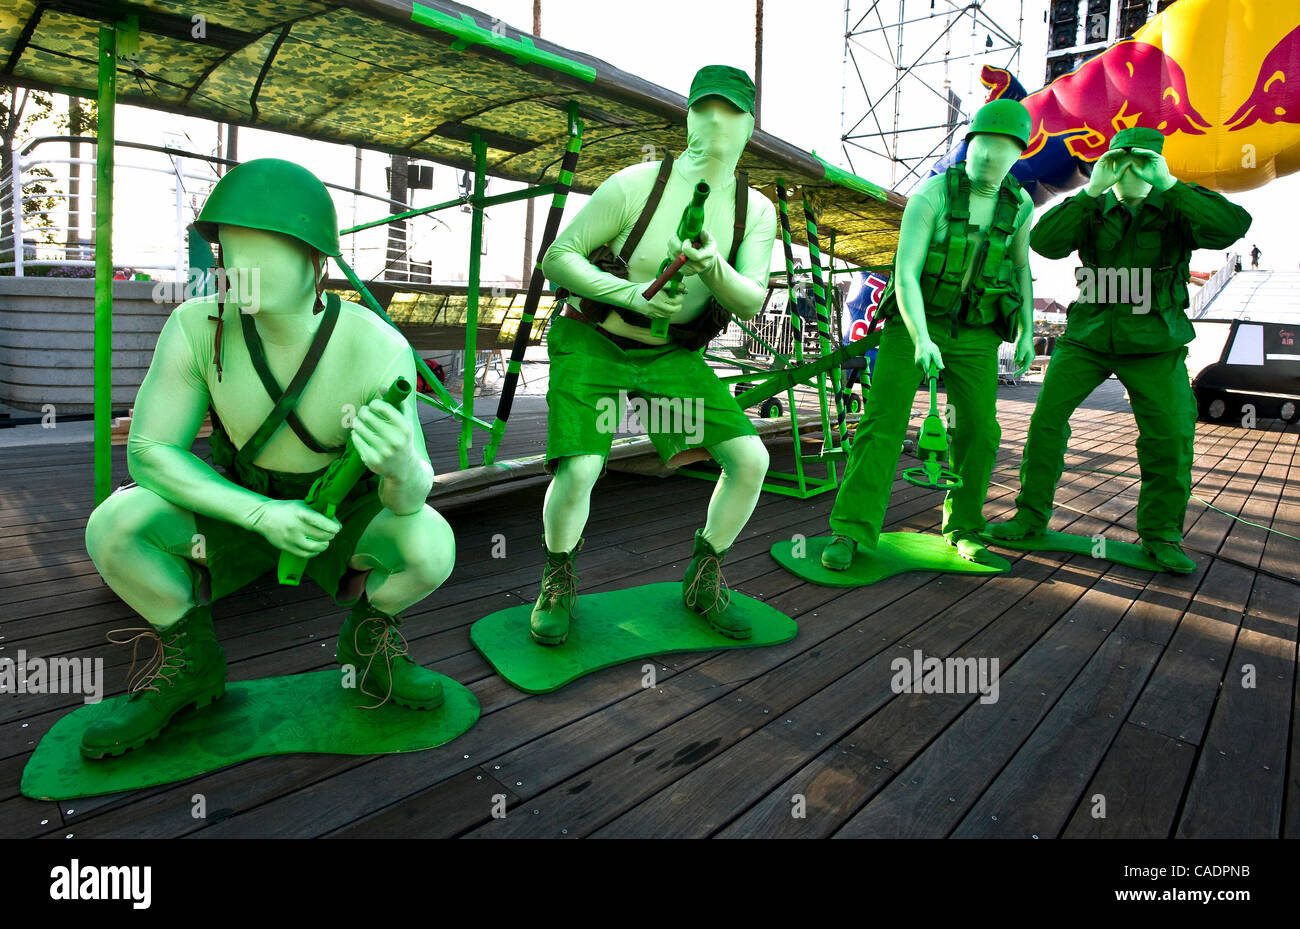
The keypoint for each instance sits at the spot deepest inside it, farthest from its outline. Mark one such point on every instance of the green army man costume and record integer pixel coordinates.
(960, 287)
(602, 349)
(1137, 223)
(185, 535)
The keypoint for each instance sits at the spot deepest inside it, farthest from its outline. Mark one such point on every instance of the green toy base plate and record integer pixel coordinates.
(1124, 553)
(612, 628)
(271, 716)
(895, 553)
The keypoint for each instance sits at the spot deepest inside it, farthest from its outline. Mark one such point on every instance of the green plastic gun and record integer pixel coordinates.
(332, 487)
(670, 276)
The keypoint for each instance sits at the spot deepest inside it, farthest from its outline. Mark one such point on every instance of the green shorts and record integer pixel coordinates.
(238, 556)
(677, 398)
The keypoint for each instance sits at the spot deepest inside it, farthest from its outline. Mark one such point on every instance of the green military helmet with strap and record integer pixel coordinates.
(277, 196)
(1003, 117)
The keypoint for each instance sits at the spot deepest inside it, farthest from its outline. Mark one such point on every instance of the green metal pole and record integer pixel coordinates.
(823, 324)
(796, 325)
(104, 266)
(536, 283)
(837, 374)
(471, 306)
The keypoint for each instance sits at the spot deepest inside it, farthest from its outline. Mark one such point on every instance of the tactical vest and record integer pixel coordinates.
(695, 334)
(992, 297)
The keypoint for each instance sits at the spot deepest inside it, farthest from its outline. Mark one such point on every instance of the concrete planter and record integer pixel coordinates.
(47, 341)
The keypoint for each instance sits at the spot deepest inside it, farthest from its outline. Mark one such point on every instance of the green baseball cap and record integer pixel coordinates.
(1138, 137)
(732, 84)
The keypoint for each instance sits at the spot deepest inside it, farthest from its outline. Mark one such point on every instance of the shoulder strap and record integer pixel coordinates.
(648, 211)
(286, 400)
(741, 215)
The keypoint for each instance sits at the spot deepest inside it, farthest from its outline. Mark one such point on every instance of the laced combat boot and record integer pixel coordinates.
(558, 601)
(1169, 555)
(187, 668)
(372, 643)
(838, 555)
(1016, 528)
(704, 590)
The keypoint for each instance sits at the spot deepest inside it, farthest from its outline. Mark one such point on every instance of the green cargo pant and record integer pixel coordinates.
(1165, 410)
(970, 379)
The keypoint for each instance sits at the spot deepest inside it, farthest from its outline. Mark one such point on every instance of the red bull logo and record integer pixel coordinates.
(1274, 98)
(1129, 84)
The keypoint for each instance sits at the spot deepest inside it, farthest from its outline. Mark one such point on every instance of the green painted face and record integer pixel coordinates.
(274, 269)
(989, 157)
(716, 128)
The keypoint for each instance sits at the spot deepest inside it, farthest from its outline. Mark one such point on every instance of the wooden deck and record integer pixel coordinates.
(1114, 682)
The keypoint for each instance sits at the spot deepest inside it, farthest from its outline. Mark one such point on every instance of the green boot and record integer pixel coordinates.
(704, 590)
(371, 643)
(839, 554)
(1169, 555)
(558, 601)
(190, 671)
(1017, 528)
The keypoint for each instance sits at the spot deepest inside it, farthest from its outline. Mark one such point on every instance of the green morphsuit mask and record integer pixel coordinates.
(291, 377)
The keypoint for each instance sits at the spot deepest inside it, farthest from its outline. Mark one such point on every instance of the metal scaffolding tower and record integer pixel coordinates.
(903, 103)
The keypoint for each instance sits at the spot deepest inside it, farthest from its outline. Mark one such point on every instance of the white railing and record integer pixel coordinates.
(1200, 301)
(159, 249)
(161, 254)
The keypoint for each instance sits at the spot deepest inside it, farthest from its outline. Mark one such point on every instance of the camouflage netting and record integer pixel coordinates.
(416, 79)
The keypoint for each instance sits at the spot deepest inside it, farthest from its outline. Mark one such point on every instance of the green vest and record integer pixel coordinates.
(993, 296)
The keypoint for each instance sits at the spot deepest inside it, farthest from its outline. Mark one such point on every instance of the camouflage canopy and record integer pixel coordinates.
(416, 79)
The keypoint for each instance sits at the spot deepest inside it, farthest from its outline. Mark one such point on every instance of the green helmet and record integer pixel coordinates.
(275, 195)
(1002, 117)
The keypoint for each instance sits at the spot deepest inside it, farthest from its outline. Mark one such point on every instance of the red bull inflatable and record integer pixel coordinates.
(1220, 79)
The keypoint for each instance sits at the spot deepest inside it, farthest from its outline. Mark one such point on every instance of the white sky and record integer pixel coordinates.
(804, 91)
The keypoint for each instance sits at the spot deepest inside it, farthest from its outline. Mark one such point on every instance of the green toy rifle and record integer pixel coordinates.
(688, 230)
(332, 487)
(932, 446)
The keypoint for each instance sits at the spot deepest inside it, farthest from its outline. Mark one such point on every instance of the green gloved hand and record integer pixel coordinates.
(293, 527)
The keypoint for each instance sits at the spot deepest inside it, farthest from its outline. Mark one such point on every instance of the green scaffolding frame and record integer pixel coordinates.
(825, 371)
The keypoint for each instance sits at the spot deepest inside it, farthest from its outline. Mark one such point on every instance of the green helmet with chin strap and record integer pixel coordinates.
(1002, 117)
(277, 196)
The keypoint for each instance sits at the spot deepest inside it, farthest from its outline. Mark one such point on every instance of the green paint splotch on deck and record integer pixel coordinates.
(895, 553)
(308, 713)
(612, 628)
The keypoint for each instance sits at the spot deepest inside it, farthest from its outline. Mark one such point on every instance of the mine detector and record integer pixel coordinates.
(441, 82)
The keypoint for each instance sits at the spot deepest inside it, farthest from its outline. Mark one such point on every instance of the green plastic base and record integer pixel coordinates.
(271, 716)
(1124, 553)
(895, 553)
(612, 628)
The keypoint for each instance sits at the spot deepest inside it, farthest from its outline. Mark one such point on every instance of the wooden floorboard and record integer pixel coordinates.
(1129, 704)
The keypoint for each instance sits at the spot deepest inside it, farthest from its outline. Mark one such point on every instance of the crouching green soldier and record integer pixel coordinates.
(603, 349)
(290, 375)
(1134, 227)
(959, 289)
